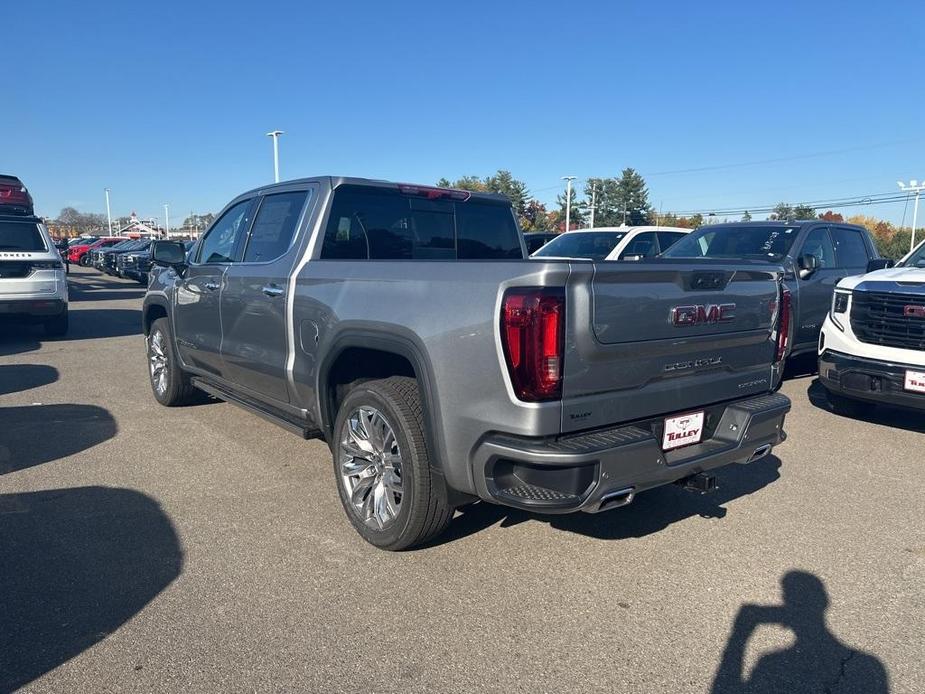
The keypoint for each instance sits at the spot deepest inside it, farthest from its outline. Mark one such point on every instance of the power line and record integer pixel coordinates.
(857, 201)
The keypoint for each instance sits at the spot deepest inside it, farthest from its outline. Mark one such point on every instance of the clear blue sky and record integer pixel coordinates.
(169, 102)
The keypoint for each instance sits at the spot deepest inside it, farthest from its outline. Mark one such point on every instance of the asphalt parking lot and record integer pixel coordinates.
(204, 549)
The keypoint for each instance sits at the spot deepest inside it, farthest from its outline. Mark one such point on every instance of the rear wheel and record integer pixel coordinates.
(57, 326)
(388, 490)
(171, 386)
(84, 260)
(848, 407)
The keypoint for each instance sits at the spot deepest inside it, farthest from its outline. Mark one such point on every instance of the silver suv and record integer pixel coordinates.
(33, 284)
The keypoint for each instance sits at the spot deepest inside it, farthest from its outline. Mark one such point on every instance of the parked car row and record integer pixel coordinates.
(128, 259)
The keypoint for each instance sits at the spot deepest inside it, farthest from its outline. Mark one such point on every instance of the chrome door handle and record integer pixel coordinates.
(211, 286)
(273, 290)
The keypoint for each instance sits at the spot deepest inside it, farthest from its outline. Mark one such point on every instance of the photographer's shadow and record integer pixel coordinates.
(816, 662)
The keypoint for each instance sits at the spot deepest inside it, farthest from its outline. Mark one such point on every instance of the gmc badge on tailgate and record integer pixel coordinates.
(700, 313)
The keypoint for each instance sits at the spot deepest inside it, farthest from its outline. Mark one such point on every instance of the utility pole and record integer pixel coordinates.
(166, 221)
(915, 187)
(108, 212)
(568, 200)
(275, 135)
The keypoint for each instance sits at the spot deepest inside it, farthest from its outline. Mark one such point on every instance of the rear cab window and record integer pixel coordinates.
(595, 245)
(25, 237)
(386, 224)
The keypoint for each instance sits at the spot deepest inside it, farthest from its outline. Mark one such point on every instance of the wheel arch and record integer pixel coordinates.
(154, 307)
(384, 354)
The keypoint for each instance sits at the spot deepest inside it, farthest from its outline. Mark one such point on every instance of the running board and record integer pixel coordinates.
(271, 414)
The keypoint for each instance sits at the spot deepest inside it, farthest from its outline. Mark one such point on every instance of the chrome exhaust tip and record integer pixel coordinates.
(615, 499)
(760, 452)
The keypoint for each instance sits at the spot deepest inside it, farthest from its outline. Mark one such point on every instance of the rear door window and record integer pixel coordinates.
(21, 236)
(850, 250)
(384, 225)
(274, 227)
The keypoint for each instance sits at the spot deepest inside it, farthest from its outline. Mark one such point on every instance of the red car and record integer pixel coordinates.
(78, 252)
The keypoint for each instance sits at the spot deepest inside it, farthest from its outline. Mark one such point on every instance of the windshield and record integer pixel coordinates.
(917, 259)
(735, 242)
(596, 245)
(20, 236)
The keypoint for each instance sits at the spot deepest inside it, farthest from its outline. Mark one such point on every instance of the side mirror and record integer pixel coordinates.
(168, 254)
(808, 265)
(880, 264)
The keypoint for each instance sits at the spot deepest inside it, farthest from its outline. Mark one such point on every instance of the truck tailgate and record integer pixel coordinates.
(666, 336)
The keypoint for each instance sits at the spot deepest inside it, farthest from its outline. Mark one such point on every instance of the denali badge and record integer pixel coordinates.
(695, 364)
(698, 314)
(914, 311)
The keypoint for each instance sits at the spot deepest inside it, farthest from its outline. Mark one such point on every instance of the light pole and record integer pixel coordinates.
(913, 187)
(275, 135)
(568, 200)
(593, 205)
(166, 221)
(108, 212)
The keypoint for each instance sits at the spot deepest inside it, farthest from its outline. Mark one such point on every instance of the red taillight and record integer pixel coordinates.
(783, 324)
(533, 337)
(434, 193)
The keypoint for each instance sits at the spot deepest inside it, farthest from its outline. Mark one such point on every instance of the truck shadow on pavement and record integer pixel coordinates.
(84, 324)
(816, 662)
(910, 420)
(651, 512)
(15, 378)
(37, 434)
(77, 564)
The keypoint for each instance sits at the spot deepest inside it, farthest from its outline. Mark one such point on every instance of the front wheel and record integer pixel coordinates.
(84, 260)
(383, 470)
(171, 386)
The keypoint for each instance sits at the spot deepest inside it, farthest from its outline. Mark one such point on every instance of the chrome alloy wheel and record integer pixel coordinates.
(157, 361)
(370, 466)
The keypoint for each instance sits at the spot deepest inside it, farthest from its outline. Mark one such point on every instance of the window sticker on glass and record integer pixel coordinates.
(770, 242)
(343, 229)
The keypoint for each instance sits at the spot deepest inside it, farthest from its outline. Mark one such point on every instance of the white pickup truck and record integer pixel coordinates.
(872, 345)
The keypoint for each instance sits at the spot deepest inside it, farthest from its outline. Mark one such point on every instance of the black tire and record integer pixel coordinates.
(424, 511)
(177, 389)
(848, 407)
(57, 326)
(84, 260)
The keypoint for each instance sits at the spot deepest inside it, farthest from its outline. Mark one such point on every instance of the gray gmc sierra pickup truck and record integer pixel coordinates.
(405, 326)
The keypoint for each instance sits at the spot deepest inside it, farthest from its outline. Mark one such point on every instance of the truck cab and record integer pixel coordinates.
(872, 344)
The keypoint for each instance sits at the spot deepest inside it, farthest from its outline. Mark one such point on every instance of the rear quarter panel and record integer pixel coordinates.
(449, 312)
